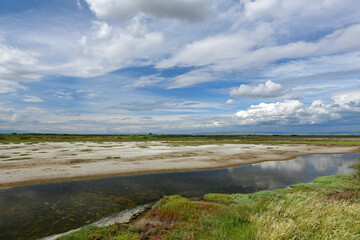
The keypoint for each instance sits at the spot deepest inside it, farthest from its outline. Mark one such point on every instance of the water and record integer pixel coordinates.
(38, 210)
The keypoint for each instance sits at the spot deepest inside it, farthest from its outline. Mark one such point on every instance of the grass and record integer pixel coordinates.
(356, 167)
(143, 146)
(112, 157)
(86, 150)
(4, 156)
(16, 159)
(328, 208)
(274, 141)
(191, 140)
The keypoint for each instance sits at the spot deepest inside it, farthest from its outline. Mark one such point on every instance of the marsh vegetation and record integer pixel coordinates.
(325, 209)
(193, 140)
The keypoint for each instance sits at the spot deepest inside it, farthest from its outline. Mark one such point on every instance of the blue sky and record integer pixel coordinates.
(180, 66)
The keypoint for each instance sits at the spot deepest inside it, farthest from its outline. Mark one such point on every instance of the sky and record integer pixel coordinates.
(180, 66)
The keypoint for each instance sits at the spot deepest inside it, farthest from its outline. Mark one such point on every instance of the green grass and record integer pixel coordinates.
(112, 157)
(86, 150)
(326, 209)
(143, 146)
(274, 141)
(4, 156)
(356, 167)
(16, 159)
(193, 140)
(114, 232)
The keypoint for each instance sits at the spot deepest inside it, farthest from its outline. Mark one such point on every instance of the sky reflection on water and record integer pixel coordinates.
(37, 210)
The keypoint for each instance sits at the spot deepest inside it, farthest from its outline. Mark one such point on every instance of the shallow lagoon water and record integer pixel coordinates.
(38, 210)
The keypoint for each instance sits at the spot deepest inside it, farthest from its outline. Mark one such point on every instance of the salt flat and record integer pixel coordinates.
(50, 161)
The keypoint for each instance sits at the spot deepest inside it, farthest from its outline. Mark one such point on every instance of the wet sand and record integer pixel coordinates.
(48, 161)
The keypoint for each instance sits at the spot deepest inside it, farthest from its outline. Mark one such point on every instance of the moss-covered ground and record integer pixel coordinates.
(329, 208)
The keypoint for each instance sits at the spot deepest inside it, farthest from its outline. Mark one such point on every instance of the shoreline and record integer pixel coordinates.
(124, 217)
(153, 158)
(338, 203)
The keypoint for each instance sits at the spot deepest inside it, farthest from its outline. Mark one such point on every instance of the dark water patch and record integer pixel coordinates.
(38, 210)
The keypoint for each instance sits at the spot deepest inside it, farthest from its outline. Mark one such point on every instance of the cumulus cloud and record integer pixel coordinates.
(348, 101)
(287, 112)
(102, 30)
(110, 48)
(32, 99)
(295, 112)
(268, 89)
(192, 11)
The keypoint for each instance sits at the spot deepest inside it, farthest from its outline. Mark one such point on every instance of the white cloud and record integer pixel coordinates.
(62, 94)
(140, 106)
(32, 99)
(295, 112)
(52, 120)
(19, 65)
(10, 86)
(268, 89)
(102, 29)
(192, 77)
(226, 52)
(260, 8)
(322, 12)
(192, 11)
(87, 93)
(316, 65)
(111, 48)
(210, 50)
(287, 112)
(147, 80)
(187, 79)
(231, 102)
(79, 4)
(348, 101)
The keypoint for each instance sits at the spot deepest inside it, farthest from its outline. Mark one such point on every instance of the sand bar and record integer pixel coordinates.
(51, 161)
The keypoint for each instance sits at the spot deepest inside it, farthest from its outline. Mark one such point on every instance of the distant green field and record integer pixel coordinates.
(193, 140)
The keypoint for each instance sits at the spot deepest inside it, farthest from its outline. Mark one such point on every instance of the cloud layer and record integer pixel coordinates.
(172, 65)
(192, 11)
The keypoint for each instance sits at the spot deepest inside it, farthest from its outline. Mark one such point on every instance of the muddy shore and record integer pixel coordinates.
(51, 161)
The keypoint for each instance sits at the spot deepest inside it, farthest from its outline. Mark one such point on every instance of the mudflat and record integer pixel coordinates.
(22, 163)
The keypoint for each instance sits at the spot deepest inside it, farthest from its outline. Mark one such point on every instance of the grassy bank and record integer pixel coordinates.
(326, 209)
(192, 140)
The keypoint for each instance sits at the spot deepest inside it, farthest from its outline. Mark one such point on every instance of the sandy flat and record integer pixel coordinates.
(49, 161)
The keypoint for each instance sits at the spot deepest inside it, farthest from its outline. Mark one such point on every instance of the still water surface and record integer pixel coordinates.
(38, 210)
